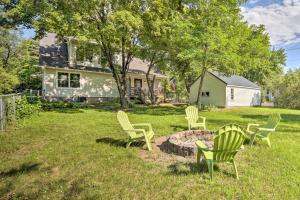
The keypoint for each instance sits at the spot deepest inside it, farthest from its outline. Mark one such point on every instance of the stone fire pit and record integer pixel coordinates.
(183, 143)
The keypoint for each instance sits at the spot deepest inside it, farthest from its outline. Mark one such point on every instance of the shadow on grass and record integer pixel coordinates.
(118, 143)
(189, 168)
(194, 168)
(264, 118)
(159, 111)
(24, 168)
(179, 127)
(68, 110)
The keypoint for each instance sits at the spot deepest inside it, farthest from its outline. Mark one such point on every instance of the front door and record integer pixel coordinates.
(137, 86)
(138, 83)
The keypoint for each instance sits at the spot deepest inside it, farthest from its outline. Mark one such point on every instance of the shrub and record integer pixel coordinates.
(209, 108)
(25, 109)
(48, 106)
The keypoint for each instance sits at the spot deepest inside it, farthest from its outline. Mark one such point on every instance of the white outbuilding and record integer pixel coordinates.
(226, 91)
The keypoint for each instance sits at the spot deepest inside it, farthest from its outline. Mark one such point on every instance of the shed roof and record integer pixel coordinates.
(235, 80)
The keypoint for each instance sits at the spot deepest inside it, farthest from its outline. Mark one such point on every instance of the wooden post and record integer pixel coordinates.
(1, 114)
(14, 107)
(30, 96)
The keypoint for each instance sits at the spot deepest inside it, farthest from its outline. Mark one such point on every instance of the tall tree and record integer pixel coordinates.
(9, 39)
(114, 25)
(212, 37)
(154, 40)
(288, 90)
(26, 65)
(260, 62)
(18, 62)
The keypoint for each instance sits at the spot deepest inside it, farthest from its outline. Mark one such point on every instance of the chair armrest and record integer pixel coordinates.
(136, 130)
(266, 129)
(201, 145)
(249, 125)
(143, 125)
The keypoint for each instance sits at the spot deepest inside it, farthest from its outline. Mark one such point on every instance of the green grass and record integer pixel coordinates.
(78, 154)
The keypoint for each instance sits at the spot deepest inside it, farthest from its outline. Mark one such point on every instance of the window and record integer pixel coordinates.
(89, 54)
(74, 80)
(63, 79)
(68, 80)
(205, 94)
(232, 94)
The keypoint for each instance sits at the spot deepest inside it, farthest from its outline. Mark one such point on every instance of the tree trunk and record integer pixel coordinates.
(200, 86)
(121, 85)
(188, 82)
(119, 76)
(150, 83)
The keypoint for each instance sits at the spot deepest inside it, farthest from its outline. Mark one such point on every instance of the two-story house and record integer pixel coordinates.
(72, 69)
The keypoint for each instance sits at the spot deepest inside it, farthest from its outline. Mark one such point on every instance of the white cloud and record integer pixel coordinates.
(282, 20)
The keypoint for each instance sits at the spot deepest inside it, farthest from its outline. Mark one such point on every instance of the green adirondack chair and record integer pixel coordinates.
(192, 118)
(263, 132)
(227, 142)
(145, 132)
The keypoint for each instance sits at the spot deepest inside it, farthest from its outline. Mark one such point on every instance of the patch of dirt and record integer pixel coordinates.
(158, 156)
(55, 171)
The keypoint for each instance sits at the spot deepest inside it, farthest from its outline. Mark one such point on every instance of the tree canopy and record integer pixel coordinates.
(287, 90)
(184, 38)
(18, 62)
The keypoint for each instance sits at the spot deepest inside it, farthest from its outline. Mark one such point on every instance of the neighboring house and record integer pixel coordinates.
(226, 91)
(73, 70)
(270, 96)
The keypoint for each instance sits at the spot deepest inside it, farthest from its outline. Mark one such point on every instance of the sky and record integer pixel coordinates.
(281, 19)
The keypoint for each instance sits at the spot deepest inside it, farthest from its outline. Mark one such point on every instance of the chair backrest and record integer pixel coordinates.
(192, 113)
(125, 123)
(227, 141)
(273, 121)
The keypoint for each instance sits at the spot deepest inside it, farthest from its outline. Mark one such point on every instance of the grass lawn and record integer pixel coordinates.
(78, 154)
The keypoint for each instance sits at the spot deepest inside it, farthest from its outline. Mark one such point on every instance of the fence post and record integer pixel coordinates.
(1, 114)
(5, 112)
(14, 107)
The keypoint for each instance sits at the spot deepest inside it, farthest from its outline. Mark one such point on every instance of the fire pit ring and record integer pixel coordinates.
(183, 143)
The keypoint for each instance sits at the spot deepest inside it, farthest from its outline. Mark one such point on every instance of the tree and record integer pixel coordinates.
(260, 62)
(288, 90)
(26, 65)
(210, 34)
(9, 39)
(8, 82)
(154, 40)
(19, 62)
(115, 25)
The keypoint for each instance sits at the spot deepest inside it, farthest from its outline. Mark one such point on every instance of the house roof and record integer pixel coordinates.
(54, 53)
(235, 80)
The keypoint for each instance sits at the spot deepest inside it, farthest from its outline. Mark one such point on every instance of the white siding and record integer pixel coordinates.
(91, 85)
(243, 96)
(214, 86)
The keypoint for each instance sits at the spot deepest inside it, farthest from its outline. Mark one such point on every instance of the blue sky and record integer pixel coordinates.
(282, 21)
